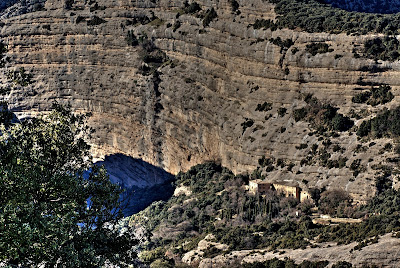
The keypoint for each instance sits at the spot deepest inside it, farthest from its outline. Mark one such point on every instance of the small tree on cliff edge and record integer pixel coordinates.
(53, 211)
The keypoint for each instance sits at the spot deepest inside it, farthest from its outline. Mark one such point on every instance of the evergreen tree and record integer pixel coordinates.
(57, 208)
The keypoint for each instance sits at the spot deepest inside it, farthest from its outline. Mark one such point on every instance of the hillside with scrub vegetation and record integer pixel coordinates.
(216, 216)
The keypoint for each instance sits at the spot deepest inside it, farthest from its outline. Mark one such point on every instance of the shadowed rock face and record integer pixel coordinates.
(129, 172)
(10, 8)
(143, 182)
(6, 3)
(369, 6)
(196, 106)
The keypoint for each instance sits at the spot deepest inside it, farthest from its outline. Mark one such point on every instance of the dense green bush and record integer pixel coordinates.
(318, 48)
(264, 161)
(151, 55)
(234, 5)
(283, 44)
(176, 26)
(57, 208)
(322, 116)
(95, 21)
(315, 16)
(282, 111)
(387, 48)
(192, 8)
(332, 199)
(385, 124)
(211, 14)
(79, 19)
(247, 123)
(20, 77)
(288, 263)
(265, 24)
(266, 106)
(342, 264)
(362, 97)
(131, 38)
(299, 114)
(380, 95)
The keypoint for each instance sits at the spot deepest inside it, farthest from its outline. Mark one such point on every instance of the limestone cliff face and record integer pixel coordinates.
(194, 108)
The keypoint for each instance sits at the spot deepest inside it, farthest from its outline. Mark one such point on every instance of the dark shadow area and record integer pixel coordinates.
(144, 183)
(20, 7)
(7, 3)
(368, 6)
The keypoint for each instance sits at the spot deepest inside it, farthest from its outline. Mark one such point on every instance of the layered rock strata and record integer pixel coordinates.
(195, 106)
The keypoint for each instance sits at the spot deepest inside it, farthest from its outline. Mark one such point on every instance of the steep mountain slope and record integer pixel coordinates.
(370, 6)
(177, 85)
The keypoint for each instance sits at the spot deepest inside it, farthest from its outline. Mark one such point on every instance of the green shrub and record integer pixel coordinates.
(301, 146)
(68, 4)
(283, 44)
(282, 111)
(299, 114)
(234, 5)
(176, 26)
(162, 263)
(315, 16)
(287, 71)
(131, 38)
(387, 48)
(376, 95)
(266, 106)
(95, 21)
(192, 8)
(247, 123)
(152, 255)
(385, 124)
(211, 252)
(322, 116)
(362, 97)
(211, 14)
(79, 19)
(330, 200)
(380, 95)
(96, 7)
(20, 77)
(140, 19)
(318, 48)
(266, 24)
(342, 264)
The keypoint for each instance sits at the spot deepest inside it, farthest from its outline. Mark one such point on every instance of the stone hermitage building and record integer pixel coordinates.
(288, 188)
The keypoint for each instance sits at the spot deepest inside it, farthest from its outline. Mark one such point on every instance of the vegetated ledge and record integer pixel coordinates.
(384, 6)
(385, 124)
(313, 16)
(322, 116)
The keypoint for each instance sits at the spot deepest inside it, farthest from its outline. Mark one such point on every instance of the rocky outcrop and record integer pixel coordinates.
(195, 107)
(374, 254)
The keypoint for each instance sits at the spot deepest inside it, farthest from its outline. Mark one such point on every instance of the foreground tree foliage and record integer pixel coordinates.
(57, 209)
